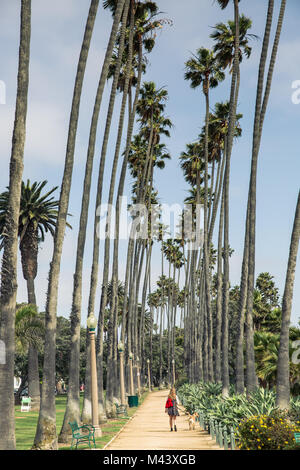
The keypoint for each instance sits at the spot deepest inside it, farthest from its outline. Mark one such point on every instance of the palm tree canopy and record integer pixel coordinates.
(37, 212)
(140, 7)
(29, 328)
(151, 102)
(224, 3)
(224, 36)
(203, 69)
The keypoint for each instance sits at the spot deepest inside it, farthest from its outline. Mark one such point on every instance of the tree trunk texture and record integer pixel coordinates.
(9, 260)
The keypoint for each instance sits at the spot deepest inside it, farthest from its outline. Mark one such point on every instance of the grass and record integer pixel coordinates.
(26, 423)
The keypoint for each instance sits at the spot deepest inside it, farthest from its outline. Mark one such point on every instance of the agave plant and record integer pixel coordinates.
(207, 398)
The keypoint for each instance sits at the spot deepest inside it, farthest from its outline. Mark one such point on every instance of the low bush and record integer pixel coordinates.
(266, 432)
(231, 411)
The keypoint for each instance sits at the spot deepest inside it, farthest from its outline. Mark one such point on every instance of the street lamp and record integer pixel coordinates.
(138, 374)
(131, 374)
(122, 385)
(173, 364)
(149, 381)
(91, 324)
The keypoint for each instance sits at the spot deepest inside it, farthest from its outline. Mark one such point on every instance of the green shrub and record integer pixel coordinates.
(207, 397)
(293, 446)
(294, 412)
(266, 432)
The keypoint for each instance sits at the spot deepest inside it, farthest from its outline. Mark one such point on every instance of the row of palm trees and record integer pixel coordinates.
(132, 35)
(123, 313)
(214, 146)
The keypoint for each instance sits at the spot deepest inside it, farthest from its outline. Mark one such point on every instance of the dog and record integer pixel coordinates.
(192, 421)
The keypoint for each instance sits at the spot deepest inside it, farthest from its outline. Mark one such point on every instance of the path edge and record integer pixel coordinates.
(127, 422)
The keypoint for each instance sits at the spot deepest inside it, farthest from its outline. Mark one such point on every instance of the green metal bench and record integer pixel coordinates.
(297, 437)
(79, 436)
(121, 409)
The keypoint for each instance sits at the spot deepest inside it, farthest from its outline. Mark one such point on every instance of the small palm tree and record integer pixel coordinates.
(38, 214)
(29, 328)
(29, 333)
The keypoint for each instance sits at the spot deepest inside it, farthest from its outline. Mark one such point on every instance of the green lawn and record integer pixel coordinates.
(26, 425)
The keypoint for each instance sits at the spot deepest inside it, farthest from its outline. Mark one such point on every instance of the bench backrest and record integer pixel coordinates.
(26, 400)
(74, 426)
(297, 437)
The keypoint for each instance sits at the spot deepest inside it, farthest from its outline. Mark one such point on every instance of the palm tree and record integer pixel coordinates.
(105, 278)
(46, 437)
(38, 215)
(151, 101)
(29, 332)
(283, 383)
(73, 407)
(203, 69)
(136, 32)
(224, 36)
(262, 98)
(28, 327)
(266, 353)
(9, 260)
(228, 148)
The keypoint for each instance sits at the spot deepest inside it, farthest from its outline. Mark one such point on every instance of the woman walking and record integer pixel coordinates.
(172, 408)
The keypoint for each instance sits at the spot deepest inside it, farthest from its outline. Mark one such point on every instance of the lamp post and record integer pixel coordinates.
(91, 324)
(173, 365)
(149, 380)
(131, 374)
(138, 375)
(122, 384)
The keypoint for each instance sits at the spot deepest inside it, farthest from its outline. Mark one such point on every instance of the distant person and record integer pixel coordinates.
(172, 408)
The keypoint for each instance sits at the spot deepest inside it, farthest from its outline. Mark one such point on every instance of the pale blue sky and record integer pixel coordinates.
(57, 29)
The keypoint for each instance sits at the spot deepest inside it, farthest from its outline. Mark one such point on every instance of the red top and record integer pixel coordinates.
(169, 403)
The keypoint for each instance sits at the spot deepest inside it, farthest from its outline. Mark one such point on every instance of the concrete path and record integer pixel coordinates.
(149, 430)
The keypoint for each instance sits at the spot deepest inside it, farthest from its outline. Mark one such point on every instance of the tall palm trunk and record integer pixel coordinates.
(260, 110)
(218, 352)
(239, 361)
(110, 369)
(33, 360)
(144, 297)
(29, 253)
(46, 437)
(9, 260)
(86, 411)
(161, 322)
(218, 192)
(73, 409)
(228, 149)
(283, 363)
(206, 250)
(124, 168)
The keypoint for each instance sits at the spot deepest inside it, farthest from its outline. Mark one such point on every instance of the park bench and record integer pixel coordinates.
(297, 437)
(25, 404)
(121, 409)
(79, 436)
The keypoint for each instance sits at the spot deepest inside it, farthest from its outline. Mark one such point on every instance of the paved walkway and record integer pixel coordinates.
(149, 430)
